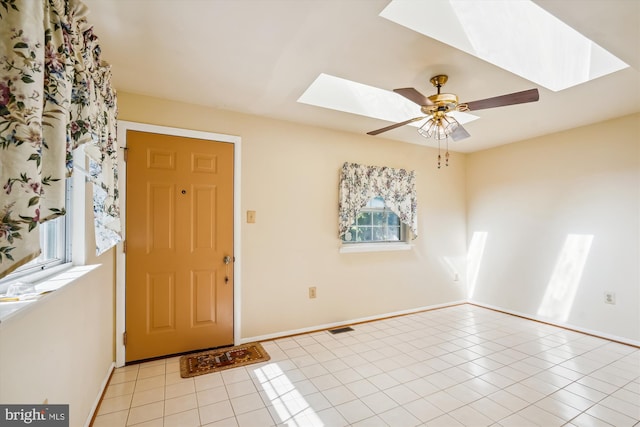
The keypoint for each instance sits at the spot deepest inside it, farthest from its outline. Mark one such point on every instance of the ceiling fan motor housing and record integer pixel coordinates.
(444, 102)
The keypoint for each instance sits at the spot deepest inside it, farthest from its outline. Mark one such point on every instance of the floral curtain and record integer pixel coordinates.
(55, 94)
(360, 183)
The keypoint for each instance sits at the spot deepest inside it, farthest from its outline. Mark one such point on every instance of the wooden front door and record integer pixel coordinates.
(179, 224)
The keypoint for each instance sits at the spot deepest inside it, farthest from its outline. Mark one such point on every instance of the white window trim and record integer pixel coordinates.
(379, 245)
(349, 248)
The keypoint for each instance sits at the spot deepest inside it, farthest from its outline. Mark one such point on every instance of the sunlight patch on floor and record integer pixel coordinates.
(291, 407)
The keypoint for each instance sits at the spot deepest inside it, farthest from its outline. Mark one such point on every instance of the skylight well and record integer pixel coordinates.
(518, 36)
(340, 94)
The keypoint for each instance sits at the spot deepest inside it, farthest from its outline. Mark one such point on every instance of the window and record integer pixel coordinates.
(375, 223)
(53, 239)
(55, 245)
(377, 208)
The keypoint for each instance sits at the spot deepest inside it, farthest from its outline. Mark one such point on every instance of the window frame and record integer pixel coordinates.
(373, 210)
(377, 245)
(35, 270)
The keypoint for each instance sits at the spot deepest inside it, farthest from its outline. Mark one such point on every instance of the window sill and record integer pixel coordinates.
(57, 278)
(374, 247)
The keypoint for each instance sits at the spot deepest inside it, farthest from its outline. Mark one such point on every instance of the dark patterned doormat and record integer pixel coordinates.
(209, 361)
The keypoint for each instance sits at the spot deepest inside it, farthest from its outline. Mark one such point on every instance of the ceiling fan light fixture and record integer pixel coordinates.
(439, 126)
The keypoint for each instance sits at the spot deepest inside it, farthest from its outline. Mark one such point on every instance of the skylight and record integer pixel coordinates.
(352, 97)
(518, 36)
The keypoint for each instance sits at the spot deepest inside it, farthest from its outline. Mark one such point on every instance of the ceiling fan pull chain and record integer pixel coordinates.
(446, 155)
(439, 156)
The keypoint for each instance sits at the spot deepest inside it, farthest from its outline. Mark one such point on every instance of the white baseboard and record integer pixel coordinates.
(597, 334)
(314, 328)
(103, 386)
(287, 333)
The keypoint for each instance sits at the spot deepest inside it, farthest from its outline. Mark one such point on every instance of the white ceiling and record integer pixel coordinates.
(259, 56)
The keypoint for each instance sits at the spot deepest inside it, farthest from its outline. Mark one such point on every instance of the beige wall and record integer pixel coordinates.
(290, 178)
(528, 197)
(561, 213)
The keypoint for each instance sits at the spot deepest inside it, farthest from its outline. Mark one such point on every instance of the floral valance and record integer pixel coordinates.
(55, 94)
(360, 183)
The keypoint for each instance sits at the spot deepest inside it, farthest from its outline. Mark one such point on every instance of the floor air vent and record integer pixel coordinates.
(341, 330)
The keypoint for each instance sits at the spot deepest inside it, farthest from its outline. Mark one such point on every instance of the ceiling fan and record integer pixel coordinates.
(440, 125)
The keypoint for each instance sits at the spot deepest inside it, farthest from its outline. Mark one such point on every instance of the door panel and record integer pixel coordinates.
(204, 298)
(161, 302)
(203, 232)
(160, 228)
(179, 292)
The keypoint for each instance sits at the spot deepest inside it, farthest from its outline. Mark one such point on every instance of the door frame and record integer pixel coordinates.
(123, 127)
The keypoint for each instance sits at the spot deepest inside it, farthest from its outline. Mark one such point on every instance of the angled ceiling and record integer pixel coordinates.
(258, 57)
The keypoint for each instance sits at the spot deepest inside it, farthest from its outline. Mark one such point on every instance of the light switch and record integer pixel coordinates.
(251, 217)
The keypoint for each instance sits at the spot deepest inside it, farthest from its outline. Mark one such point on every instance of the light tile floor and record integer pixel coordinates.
(457, 366)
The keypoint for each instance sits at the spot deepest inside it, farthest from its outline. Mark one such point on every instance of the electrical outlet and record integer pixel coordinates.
(251, 217)
(610, 297)
(312, 292)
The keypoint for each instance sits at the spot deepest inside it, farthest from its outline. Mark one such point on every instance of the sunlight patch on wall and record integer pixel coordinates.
(289, 404)
(452, 266)
(563, 285)
(474, 260)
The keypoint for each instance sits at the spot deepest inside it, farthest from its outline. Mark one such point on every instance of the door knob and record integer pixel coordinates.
(226, 260)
